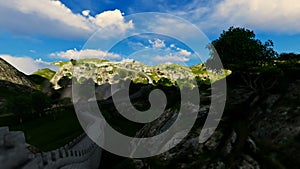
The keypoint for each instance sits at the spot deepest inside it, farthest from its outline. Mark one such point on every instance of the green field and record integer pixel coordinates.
(46, 73)
(47, 133)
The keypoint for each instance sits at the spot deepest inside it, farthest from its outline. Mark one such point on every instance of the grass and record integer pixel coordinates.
(46, 73)
(7, 119)
(120, 123)
(60, 64)
(96, 60)
(47, 133)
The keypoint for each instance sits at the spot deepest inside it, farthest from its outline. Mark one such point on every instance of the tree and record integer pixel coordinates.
(40, 102)
(164, 82)
(64, 82)
(289, 56)
(26, 105)
(239, 50)
(19, 105)
(74, 62)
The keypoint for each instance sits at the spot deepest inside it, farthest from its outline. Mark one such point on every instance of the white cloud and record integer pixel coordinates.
(172, 26)
(32, 51)
(160, 44)
(157, 43)
(86, 12)
(193, 10)
(184, 52)
(111, 20)
(280, 16)
(27, 65)
(170, 59)
(86, 53)
(267, 15)
(175, 56)
(53, 18)
(127, 60)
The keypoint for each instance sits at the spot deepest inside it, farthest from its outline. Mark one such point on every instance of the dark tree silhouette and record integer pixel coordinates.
(289, 56)
(239, 50)
(19, 105)
(40, 102)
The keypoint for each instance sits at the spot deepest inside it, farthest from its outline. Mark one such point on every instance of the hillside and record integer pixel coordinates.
(46, 73)
(259, 128)
(11, 74)
(103, 71)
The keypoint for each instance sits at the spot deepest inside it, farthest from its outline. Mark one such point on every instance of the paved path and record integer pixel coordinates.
(92, 163)
(82, 144)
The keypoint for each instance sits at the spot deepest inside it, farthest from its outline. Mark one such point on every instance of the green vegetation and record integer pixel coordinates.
(95, 60)
(27, 105)
(6, 92)
(289, 57)
(47, 132)
(46, 73)
(164, 82)
(250, 66)
(31, 111)
(102, 71)
(258, 70)
(239, 50)
(74, 62)
(60, 64)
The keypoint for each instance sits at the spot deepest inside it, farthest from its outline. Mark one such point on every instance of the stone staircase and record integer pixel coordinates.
(81, 153)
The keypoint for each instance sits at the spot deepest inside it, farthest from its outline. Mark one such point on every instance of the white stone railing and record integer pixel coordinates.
(14, 154)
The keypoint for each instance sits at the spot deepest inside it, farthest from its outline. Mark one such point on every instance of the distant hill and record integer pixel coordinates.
(12, 83)
(11, 74)
(46, 73)
(103, 72)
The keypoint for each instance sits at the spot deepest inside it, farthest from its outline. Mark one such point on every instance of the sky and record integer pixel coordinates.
(34, 33)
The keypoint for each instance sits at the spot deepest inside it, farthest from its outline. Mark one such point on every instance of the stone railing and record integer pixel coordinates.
(14, 153)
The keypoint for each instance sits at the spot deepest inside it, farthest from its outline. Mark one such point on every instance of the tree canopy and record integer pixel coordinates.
(238, 49)
(289, 56)
(24, 104)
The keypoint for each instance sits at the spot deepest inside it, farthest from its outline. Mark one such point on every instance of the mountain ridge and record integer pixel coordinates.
(103, 71)
(11, 74)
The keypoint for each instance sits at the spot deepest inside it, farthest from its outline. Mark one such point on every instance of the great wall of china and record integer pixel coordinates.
(81, 153)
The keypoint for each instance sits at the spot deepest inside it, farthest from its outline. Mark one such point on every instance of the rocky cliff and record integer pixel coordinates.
(257, 130)
(11, 74)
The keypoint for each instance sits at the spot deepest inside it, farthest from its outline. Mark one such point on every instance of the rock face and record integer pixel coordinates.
(11, 74)
(106, 72)
(256, 131)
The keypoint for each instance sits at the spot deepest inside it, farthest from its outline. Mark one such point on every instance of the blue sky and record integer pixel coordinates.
(34, 33)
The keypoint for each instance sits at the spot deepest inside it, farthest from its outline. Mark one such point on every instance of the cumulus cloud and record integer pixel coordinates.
(170, 59)
(160, 53)
(27, 65)
(272, 15)
(53, 18)
(184, 52)
(172, 26)
(157, 43)
(86, 53)
(180, 56)
(111, 20)
(280, 16)
(86, 12)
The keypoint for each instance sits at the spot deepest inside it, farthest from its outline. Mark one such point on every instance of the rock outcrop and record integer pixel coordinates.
(256, 131)
(11, 74)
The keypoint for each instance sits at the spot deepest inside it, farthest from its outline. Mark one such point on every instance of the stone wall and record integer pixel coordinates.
(14, 153)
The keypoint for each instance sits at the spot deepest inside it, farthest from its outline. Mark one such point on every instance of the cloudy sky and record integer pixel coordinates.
(34, 33)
